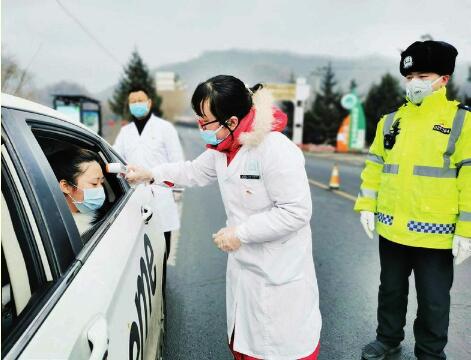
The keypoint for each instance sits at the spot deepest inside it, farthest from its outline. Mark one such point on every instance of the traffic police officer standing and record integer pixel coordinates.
(417, 180)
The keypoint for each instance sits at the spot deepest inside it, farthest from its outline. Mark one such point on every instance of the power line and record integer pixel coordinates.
(25, 70)
(89, 33)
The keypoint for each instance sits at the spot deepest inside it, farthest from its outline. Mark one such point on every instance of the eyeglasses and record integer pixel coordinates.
(203, 124)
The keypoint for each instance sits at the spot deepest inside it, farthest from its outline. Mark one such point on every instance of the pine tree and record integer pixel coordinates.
(467, 90)
(452, 90)
(323, 120)
(381, 99)
(136, 74)
(353, 85)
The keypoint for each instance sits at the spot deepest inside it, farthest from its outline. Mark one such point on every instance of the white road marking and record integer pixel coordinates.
(337, 192)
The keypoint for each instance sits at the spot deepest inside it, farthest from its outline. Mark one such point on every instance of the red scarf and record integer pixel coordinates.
(231, 145)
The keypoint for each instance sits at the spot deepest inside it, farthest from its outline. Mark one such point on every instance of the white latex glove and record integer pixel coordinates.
(226, 239)
(461, 248)
(367, 219)
(178, 196)
(137, 175)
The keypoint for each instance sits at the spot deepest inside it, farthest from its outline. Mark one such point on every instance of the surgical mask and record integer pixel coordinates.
(209, 136)
(93, 199)
(139, 109)
(417, 90)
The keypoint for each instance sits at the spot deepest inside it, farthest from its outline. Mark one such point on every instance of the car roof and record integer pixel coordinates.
(18, 103)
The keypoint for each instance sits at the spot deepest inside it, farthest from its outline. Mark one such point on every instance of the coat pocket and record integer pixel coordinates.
(284, 260)
(254, 195)
(439, 205)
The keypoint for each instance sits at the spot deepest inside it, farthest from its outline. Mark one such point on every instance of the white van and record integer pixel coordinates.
(66, 296)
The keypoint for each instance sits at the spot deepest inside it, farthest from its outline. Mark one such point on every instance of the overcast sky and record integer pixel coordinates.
(177, 30)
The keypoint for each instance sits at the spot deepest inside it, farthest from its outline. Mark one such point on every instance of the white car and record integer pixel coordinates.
(66, 296)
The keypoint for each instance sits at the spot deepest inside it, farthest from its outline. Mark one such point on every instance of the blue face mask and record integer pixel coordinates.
(209, 136)
(139, 109)
(93, 199)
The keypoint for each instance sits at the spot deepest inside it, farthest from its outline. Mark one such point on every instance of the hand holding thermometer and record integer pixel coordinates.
(121, 169)
(116, 168)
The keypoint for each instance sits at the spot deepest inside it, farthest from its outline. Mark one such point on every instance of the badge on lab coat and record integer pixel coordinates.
(251, 170)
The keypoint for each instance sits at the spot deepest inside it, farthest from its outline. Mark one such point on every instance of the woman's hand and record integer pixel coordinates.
(226, 239)
(137, 175)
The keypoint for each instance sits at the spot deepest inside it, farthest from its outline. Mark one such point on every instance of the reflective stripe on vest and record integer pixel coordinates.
(368, 193)
(375, 158)
(445, 171)
(391, 169)
(388, 122)
(465, 162)
(458, 122)
(464, 216)
(434, 172)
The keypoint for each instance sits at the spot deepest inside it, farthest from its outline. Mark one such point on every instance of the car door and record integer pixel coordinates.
(113, 305)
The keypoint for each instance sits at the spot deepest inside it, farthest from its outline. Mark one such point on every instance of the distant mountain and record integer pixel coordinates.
(45, 95)
(278, 66)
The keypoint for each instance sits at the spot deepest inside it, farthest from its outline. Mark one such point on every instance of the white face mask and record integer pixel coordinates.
(417, 90)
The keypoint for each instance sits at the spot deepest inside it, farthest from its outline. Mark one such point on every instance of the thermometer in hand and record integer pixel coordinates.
(118, 168)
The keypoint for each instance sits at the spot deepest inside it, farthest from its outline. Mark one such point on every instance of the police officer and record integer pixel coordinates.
(417, 180)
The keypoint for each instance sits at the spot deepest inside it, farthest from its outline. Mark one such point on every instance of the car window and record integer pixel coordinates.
(26, 275)
(57, 141)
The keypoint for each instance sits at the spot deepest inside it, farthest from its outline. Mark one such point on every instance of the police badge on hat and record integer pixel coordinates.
(407, 62)
(428, 56)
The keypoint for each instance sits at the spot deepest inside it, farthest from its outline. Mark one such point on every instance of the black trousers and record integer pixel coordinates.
(167, 235)
(433, 272)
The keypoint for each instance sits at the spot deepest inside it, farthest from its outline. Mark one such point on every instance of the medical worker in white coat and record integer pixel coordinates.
(272, 299)
(150, 141)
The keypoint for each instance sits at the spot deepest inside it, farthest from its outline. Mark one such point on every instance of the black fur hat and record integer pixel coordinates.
(428, 56)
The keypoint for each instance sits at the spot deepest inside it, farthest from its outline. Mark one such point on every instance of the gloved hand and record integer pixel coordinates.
(177, 196)
(367, 219)
(226, 239)
(461, 248)
(137, 175)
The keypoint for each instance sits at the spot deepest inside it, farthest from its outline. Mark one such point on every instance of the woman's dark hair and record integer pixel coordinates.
(66, 164)
(227, 97)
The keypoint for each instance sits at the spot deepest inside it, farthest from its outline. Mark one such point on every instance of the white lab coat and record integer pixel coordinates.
(158, 144)
(271, 288)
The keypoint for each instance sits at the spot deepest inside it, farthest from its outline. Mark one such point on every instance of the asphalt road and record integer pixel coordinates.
(347, 268)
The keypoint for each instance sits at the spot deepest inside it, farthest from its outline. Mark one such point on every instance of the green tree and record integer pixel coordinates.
(353, 85)
(452, 90)
(467, 89)
(136, 74)
(381, 99)
(322, 121)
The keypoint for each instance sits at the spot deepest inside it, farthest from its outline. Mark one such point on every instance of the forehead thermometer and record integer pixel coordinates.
(118, 168)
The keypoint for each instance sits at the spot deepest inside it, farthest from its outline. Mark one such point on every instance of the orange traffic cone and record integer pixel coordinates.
(334, 183)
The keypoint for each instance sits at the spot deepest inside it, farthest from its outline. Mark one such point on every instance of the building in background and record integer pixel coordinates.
(174, 95)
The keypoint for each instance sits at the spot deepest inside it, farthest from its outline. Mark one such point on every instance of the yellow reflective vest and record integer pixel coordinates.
(420, 189)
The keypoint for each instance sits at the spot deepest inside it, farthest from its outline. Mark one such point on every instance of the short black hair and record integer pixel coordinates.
(66, 164)
(137, 88)
(227, 95)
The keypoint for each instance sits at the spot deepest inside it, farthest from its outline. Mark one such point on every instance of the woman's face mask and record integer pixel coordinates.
(209, 136)
(417, 90)
(93, 199)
